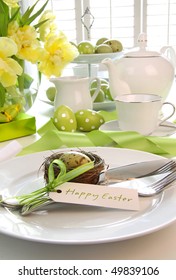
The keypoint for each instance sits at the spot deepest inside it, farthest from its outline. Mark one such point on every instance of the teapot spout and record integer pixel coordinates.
(117, 85)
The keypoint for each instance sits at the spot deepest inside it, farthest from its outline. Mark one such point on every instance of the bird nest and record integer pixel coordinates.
(89, 177)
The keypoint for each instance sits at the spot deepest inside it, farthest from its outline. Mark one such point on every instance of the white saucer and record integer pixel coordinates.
(166, 129)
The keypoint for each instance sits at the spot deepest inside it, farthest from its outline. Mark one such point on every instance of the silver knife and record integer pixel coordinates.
(133, 170)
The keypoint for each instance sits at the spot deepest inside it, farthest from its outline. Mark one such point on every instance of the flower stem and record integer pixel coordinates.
(21, 77)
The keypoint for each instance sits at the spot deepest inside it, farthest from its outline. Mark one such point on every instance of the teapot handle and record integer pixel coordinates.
(97, 89)
(169, 52)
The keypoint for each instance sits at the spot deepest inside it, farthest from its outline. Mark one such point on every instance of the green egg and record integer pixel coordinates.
(64, 119)
(74, 159)
(88, 120)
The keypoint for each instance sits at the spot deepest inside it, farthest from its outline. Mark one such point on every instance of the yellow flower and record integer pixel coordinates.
(49, 27)
(58, 53)
(26, 39)
(12, 28)
(11, 3)
(9, 68)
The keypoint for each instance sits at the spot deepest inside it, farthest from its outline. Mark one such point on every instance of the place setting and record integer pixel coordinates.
(45, 201)
(81, 213)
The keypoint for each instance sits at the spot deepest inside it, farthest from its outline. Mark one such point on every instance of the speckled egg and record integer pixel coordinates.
(74, 159)
(88, 120)
(64, 119)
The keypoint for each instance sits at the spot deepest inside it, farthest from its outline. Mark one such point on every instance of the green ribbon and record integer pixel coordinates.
(52, 139)
(32, 201)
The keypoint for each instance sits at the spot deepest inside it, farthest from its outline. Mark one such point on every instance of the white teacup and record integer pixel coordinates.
(140, 112)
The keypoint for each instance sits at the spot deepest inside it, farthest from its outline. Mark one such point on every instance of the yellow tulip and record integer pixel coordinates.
(26, 38)
(9, 68)
(58, 53)
(49, 27)
(7, 47)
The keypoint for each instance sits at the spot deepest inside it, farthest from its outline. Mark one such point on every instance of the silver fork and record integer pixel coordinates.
(169, 166)
(159, 185)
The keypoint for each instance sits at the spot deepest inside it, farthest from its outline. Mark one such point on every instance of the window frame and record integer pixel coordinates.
(140, 19)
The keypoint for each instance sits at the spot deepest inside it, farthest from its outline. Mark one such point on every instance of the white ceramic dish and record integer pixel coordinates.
(75, 224)
(166, 130)
(106, 105)
(95, 58)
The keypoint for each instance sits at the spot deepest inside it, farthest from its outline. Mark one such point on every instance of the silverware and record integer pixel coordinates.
(158, 186)
(143, 185)
(40, 204)
(161, 177)
(10, 203)
(136, 170)
(149, 185)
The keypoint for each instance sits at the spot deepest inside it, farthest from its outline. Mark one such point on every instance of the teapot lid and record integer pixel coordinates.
(142, 51)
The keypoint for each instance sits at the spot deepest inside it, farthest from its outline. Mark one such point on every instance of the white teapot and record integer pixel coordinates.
(142, 71)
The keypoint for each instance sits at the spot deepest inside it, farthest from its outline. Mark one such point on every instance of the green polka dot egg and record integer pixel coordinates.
(64, 119)
(88, 120)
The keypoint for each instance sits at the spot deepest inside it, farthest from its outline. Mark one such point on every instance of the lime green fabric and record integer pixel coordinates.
(51, 139)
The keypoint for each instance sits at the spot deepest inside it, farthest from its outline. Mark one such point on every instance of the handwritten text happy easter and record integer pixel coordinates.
(95, 195)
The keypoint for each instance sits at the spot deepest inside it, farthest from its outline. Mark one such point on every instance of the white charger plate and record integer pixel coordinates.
(76, 224)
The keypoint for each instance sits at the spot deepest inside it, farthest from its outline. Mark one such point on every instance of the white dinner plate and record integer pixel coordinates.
(165, 130)
(76, 224)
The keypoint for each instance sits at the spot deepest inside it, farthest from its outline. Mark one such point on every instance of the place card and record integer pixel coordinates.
(96, 195)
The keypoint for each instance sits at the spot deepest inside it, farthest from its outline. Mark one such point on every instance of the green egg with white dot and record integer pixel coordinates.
(64, 119)
(88, 120)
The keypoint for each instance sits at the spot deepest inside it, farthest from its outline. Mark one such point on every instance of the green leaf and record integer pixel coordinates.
(40, 23)
(26, 19)
(28, 12)
(4, 8)
(4, 18)
(27, 81)
(2, 29)
(15, 14)
(2, 95)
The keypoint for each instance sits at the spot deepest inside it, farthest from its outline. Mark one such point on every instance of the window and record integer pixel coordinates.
(123, 20)
(114, 19)
(110, 19)
(160, 21)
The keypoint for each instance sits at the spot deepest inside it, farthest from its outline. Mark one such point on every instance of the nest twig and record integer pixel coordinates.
(89, 177)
